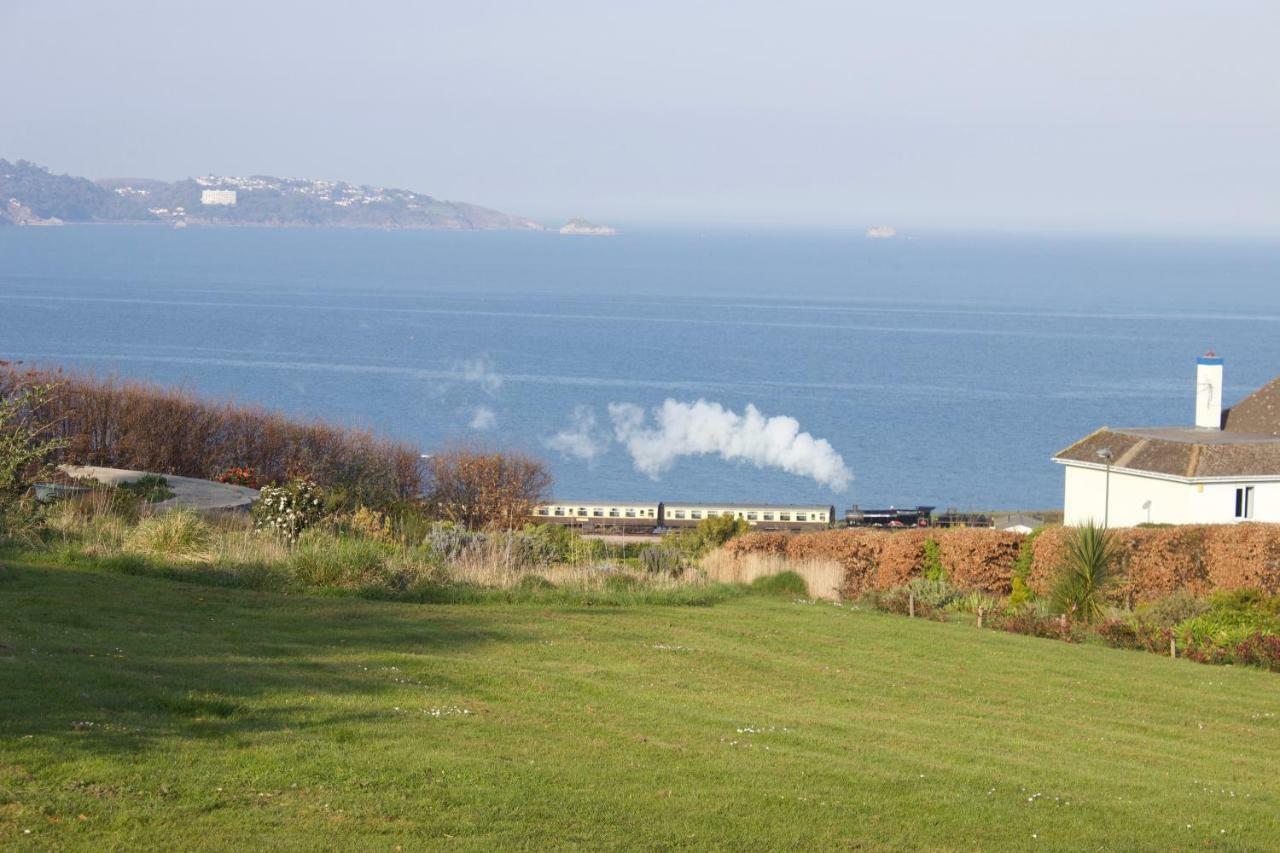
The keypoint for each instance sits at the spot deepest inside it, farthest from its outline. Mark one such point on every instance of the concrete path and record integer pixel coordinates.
(188, 492)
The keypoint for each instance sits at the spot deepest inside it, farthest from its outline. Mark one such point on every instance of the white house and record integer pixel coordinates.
(1222, 470)
(227, 197)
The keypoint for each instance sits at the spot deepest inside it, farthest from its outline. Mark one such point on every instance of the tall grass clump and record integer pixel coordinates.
(1084, 573)
(323, 560)
(176, 535)
(822, 578)
(789, 584)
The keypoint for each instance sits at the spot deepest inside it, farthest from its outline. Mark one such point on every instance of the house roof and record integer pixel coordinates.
(1257, 414)
(1247, 445)
(1191, 453)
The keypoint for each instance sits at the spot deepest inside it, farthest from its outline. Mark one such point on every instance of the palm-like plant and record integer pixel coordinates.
(1085, 571)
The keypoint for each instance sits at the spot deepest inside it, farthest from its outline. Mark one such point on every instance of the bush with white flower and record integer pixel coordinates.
(289, 509)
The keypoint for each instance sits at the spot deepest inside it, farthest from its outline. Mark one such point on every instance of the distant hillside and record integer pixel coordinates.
(31, 195)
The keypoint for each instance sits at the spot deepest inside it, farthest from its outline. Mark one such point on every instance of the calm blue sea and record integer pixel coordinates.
(944, 370)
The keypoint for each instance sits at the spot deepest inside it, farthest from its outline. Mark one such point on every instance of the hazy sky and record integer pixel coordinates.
(1138, 115)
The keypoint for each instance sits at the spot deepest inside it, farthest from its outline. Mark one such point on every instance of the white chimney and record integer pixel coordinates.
(1209, 391)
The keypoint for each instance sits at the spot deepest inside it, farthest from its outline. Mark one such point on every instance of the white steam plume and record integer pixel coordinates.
(580, 439)
(700, 428)
(480, 371)
(483, 419)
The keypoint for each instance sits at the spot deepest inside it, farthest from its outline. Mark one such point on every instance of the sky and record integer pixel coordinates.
(1142, 116)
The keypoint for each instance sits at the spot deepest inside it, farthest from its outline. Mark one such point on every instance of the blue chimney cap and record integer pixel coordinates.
(1209, 358)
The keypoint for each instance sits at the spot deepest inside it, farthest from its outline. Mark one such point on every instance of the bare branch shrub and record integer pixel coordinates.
(481, 489)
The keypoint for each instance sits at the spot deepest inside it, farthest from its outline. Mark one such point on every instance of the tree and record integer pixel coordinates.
(1084, 573)
(26, 445)
(480, 489)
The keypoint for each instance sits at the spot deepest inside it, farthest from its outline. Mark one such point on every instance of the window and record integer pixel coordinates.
(697, 513)
(679, 513)
(613, 512)
(1244, 502)
(582, 510)
(542, 510)
(631, 513)
(768, 516)
(784, 516)
(800, 516)
(559, 510)
(598, 513)
(751, 516)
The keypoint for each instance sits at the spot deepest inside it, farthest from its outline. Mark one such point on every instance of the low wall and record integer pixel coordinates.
(1152, 562)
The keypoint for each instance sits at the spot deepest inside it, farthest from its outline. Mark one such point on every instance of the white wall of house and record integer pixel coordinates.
(1137, 498)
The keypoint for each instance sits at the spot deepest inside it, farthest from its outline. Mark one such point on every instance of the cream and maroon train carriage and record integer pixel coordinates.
(612, 517)
(786, 517)
(601, 517)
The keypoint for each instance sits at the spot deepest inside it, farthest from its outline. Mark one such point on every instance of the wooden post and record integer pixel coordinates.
(979, 617)
(1173, 646)
(911, 604)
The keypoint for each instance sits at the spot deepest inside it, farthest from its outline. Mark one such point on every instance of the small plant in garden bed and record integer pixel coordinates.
(1085, 573)
(240, 475)
(1029, 621)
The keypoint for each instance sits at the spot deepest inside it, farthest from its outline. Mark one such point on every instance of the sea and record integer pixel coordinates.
(672, 364)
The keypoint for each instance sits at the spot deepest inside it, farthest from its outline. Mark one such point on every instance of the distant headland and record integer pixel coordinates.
(32, 195)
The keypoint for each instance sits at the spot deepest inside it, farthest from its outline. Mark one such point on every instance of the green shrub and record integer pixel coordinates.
(551, 543)
(1228, 627)
(972, 602)
(1172, 610)
(788, 584)
(931, 564)
(289, 509)
(150, 488)
(176, 535)
(25, 444)
(1085, 573)
(1242, 600)
(1019, 593)
(935, 594)
(714, 532)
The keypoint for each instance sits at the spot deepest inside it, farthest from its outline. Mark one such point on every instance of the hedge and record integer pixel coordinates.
(1152, 562)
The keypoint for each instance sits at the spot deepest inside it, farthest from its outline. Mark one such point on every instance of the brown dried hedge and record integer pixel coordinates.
(1243, 556)
(1152, 562)
(139, 425)
(979, 559)
(901, 558)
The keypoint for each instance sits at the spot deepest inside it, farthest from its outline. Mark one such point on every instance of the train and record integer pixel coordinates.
(659, 516)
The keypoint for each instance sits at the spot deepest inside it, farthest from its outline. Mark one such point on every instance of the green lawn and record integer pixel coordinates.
(137, 712)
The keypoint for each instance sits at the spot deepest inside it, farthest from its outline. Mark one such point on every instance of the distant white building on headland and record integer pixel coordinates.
(881, 232)
(217, 196)
(583, 227)
(1223, 470)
